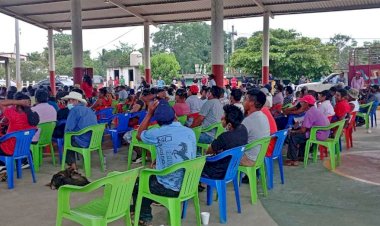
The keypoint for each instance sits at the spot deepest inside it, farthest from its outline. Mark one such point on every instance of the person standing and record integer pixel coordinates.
(357, 82)
(183, 82)
(211, 80)
(234, 82)
(204, 80)
(79, 118)
(160, 82)
(341, 78)
(86, 86)
(122, 81)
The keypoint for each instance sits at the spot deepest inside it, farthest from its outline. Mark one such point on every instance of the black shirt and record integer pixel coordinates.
(227, 140)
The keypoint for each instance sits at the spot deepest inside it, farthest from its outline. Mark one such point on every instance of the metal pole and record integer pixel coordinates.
(217, 41)
(7, 74)
(51, 61)
(265, 59)
(148, 77)
(18, 66)
(77, 42)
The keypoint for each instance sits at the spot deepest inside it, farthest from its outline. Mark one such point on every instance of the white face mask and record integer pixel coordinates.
(70, 106)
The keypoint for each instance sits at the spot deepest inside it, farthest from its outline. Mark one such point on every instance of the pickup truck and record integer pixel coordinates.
(325, 84)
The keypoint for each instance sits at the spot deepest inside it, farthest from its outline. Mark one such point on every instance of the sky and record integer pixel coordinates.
(359, 24)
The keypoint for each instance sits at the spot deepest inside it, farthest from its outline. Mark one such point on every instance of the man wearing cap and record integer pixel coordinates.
(297, 137)
(193, 101)
(357, 82)
(79, 118)
(174, 144)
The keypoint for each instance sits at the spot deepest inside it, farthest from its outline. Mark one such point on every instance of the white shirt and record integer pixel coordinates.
(356, 105)
(326, 108)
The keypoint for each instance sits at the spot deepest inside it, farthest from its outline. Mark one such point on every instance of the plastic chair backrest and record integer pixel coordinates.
(291, 119)
(105, 114)
(217, 126)
(96, 136)
(338, 133)
(182, 119)
(197, 131)
(140, 114)
(193, 170)
(171, 103)
(374, 106)
(264, 143)
(46, 134)
(236, 154)
(118, 190)
(352, 121)
(281, 137)
(23, 141)
(123, 121)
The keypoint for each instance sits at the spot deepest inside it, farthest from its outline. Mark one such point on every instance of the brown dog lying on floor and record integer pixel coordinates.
(67, 176)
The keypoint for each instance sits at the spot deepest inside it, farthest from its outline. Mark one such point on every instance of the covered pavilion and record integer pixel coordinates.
(91, 14)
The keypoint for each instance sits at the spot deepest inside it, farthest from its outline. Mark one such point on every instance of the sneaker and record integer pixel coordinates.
(139, 160)
(25, 165)
(2, 168)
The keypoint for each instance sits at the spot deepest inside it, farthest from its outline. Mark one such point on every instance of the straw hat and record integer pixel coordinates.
(75, 96)
(354, 93)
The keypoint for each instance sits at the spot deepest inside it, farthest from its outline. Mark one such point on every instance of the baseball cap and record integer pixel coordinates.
(194, 89)
(164, 114)
(308, 99)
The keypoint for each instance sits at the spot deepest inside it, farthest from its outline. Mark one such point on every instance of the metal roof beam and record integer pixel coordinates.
(23, 18)
(262, 7)
(131, 11)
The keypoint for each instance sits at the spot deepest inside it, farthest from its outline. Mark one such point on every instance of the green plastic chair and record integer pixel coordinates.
(145, 147)
(219, 130)
(114, 204)
(332, 144)
(171, 103)
(287, 106)
(365, 115)
(95, 145)
(250, 171)
(45, 140)
(182, 119)
(189, 189)
(197, 130)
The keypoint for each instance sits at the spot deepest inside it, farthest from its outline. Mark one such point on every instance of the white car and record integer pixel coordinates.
(325, 84)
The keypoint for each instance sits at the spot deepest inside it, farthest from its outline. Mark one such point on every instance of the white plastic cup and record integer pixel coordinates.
(205, 216)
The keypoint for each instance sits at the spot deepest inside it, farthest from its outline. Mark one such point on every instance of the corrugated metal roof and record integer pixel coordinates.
(98, 14)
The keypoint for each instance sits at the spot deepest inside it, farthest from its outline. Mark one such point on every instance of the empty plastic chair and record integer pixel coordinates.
(119, 130)
(44, 141)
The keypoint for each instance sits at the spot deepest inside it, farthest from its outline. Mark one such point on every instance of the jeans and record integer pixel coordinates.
(70, 155)
(205, 138)
(296, 146)
(155, 188)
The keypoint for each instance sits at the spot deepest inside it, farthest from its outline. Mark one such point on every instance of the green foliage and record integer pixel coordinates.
(190, 43)
(291, 55)
(241, 43)
(343, 45)
(165, 65)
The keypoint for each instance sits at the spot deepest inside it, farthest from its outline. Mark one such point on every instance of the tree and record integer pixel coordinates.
(291, 55)
(241, 43)
(343, 45)
(190, 43)
(165, 65)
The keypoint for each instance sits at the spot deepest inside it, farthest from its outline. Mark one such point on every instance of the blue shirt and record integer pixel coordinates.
(160, 83)
(174, 144)
(54, 104)
(79, 118)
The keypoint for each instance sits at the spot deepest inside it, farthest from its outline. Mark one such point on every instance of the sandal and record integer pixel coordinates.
(291, 163)
(3, 177)
(145, 223)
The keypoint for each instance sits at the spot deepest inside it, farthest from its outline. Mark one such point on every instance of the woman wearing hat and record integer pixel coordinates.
(353, 96)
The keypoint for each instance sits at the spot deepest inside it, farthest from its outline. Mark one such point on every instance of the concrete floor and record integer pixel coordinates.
(311, 196)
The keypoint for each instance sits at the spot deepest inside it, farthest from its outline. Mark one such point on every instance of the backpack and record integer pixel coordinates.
(67, 176)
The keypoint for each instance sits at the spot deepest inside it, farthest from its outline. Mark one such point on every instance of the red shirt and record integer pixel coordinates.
(234, 82)
(17, 121)
(342, 108)
(272, 129)
(204, 81)
(181, 109)
(87, 89)
(105, 103)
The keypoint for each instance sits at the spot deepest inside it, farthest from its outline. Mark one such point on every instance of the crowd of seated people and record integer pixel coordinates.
(247, 114)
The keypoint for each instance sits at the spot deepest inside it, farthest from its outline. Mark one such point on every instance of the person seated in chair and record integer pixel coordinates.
(235, 136)
(174, 144)
(298, 137)
(79, 118)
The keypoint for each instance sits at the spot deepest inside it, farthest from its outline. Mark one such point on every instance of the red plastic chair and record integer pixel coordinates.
(349, 130)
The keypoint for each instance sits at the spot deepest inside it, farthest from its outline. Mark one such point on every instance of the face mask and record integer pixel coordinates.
(70, 106)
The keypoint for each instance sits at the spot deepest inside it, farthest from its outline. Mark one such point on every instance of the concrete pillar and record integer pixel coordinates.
(77, 42)
(51, 61)
(217, 41)
(265, 57)
(148, 76)
(7, 73)
(18, 63)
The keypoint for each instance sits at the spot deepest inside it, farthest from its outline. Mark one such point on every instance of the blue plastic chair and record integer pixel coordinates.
(60, 141)
(277, 154)
(373, 113)
(105, 116)
(221, 185)
(122, 127)
(22, 150)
